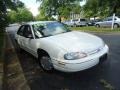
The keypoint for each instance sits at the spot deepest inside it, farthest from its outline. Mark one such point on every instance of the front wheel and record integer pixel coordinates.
(97, 25)
(45, 63)
(116, 25)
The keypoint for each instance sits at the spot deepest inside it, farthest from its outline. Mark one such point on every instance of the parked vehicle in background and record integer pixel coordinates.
(93, 22)
(57, 47)
(70, 23)
(107, 22)
(76, 22)
(81, 22)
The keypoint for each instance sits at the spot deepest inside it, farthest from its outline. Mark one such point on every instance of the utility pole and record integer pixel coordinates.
(113, 20)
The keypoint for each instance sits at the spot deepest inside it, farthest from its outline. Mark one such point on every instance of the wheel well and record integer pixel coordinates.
(116, 24)
(41, 52)
(97, 24)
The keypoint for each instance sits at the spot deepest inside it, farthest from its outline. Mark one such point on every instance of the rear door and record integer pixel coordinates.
(109, 22)
(19, 37)
(28, 39)
(104, 23)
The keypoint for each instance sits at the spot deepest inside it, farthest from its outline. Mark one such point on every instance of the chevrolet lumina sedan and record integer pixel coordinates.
(57, 47)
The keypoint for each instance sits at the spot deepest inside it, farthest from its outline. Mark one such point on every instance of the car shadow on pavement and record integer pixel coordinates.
(38, 79)
(83, 80)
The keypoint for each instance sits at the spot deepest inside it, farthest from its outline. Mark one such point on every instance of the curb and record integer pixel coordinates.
(14, 78)
(2, 64)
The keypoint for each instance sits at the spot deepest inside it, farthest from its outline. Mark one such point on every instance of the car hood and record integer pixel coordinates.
(76, 41)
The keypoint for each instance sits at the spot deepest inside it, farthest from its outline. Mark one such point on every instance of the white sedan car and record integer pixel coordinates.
(56, 47)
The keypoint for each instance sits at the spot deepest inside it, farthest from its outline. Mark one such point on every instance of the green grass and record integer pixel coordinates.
(95, 29)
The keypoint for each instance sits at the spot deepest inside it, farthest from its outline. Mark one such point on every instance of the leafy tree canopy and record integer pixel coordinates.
(102, 8)
(21, 15)
(4, 5)
(62, 8)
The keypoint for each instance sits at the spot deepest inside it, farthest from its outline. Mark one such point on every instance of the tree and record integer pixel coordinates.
(67, 10)
(21, 15)
(113, 5)
(4, 5)
(20, 4)
(58, 7)
(24, 15)
(12, 16)
(102, 8)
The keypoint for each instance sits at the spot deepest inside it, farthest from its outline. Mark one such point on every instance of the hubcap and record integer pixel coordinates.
(46, 63)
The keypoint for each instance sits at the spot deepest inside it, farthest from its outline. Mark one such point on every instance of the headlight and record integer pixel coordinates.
(74, 55)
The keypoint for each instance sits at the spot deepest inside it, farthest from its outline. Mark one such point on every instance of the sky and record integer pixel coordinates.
(32, 5)
(82, 3)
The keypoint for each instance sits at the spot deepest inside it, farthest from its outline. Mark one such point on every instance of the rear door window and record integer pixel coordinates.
(20, 31)
(27, 31)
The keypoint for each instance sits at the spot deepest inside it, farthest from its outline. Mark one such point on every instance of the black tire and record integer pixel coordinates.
(45, 63)
(116, 25)
(97, 25)
(87, 25)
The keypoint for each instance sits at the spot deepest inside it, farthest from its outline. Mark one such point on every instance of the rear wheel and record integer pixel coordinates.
(45, 63)
(87, 25)
(97, 25)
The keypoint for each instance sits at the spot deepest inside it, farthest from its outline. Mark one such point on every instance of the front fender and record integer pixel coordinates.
(54, 50)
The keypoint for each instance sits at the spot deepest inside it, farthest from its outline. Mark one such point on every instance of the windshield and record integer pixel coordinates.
(49, 29)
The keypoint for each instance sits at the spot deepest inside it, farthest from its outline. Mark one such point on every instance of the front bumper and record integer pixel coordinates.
(80, 64)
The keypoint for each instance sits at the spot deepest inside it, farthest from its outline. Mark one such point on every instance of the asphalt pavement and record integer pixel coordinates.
(90, 79)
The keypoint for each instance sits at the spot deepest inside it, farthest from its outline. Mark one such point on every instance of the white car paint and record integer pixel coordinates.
(58, 45)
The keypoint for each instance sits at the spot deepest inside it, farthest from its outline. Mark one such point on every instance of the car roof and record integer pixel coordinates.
(36, 22)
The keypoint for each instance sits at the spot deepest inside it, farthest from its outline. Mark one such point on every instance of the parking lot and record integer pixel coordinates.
(84, 80)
